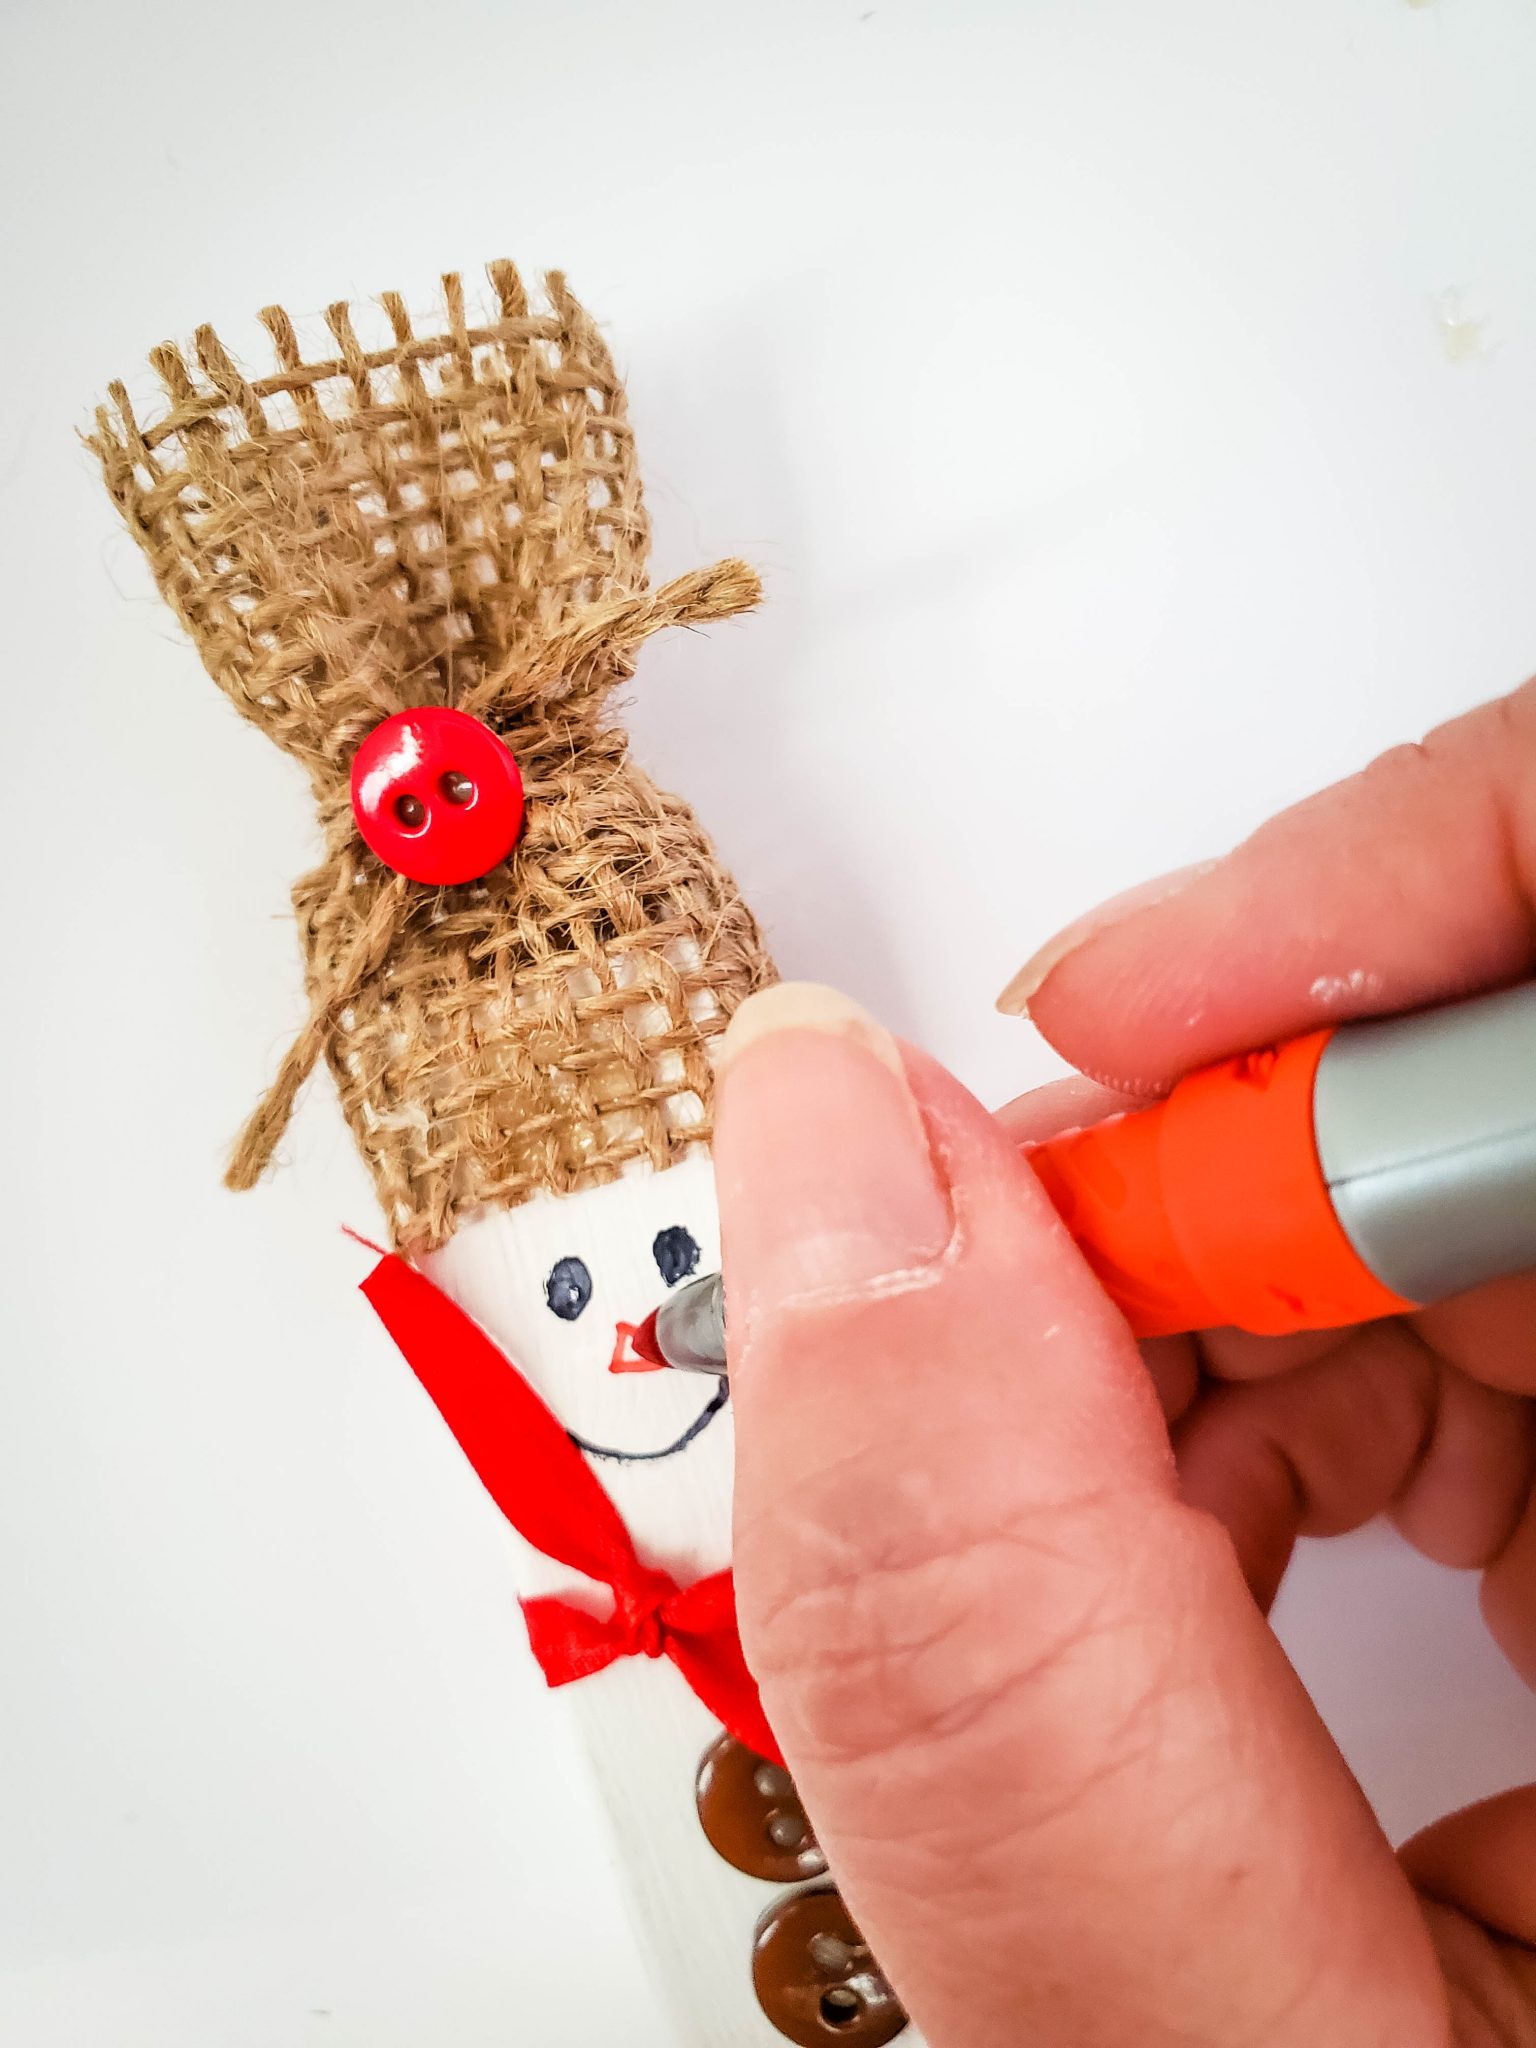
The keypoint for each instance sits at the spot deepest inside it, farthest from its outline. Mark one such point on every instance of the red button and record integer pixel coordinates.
(436, 795)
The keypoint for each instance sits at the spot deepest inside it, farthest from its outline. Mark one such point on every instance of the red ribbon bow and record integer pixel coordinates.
(553, 1498)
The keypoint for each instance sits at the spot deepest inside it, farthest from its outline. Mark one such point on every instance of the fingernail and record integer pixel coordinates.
(826, 1178)
(1031, 977)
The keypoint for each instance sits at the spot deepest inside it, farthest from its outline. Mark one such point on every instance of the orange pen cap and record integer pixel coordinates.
(1211, 1209)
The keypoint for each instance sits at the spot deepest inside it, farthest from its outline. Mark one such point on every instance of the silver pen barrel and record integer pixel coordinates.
(1426, 1133)
(690, 1326)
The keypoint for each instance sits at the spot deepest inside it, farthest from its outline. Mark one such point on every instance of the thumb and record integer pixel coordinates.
(1062, 1771)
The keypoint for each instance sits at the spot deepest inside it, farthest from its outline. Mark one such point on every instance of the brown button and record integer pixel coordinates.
(815, 1978)
(752, 1814)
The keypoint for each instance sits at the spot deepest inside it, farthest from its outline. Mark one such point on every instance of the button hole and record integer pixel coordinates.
(456, 788)
(840, 2008)
(411, 812)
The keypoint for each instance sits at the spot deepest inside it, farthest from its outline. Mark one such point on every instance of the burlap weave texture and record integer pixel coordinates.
(455, 518)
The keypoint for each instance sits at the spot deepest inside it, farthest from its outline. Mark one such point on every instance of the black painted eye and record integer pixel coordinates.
(568, 1289)
(675, 1253)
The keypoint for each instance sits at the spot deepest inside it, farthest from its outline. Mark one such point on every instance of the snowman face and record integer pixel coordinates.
(563, 1282)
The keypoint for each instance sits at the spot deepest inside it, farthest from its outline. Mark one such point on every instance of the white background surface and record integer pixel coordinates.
(1078, 373)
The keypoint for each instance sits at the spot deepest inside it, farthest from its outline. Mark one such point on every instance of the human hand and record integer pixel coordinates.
(1004, 1587)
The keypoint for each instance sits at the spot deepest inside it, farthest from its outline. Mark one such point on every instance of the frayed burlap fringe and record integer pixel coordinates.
(455, 519)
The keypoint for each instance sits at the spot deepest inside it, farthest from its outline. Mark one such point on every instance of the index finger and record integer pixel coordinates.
(1410, 883)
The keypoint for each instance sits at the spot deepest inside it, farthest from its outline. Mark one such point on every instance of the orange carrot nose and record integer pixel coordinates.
(647, 1343)
(628, 1353)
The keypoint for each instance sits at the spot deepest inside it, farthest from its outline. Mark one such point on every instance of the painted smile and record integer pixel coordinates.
(695, 1428)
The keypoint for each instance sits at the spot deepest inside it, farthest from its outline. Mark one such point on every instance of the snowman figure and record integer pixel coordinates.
(418, 562)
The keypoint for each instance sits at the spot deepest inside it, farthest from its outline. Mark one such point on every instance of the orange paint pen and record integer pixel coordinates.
(1346, 1175)
(1349, 1174)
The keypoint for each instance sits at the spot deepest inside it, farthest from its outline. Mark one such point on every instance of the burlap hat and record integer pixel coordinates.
(455, 519)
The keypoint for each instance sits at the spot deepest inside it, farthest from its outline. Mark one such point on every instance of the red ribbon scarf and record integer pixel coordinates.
(551, 1496)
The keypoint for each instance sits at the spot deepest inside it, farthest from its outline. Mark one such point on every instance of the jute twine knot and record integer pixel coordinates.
(574, 666)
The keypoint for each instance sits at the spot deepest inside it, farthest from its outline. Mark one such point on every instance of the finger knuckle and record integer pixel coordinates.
(1030, 1637)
